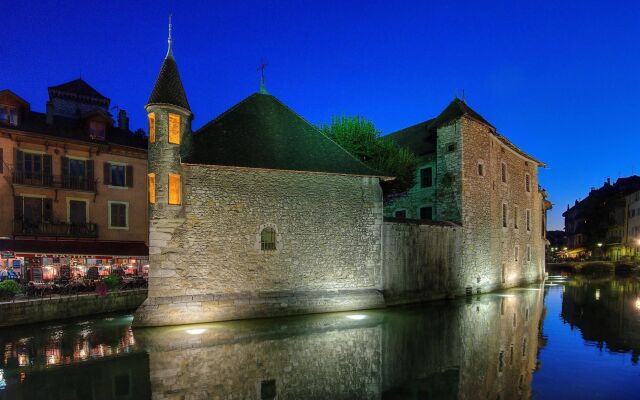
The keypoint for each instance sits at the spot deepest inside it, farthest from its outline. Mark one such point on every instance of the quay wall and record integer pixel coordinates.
(48, 309)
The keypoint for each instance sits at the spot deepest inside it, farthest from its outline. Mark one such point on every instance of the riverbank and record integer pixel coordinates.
(30, 311)
(594, 267)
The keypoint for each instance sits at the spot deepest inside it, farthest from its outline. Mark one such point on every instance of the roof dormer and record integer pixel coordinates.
(12, 108)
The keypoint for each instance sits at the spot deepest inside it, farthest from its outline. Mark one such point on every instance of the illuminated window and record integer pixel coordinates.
(174, 128)
(152, 128)
(174, 189)
(268, 239)
(152, 188)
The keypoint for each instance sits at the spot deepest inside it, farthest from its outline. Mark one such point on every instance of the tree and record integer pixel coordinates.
(360, 137)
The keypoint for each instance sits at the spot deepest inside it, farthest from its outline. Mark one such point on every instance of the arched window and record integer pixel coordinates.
(268, 239)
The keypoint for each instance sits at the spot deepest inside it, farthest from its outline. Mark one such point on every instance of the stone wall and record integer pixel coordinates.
(50, 309)
(489, 249)
(422, 261)
(208, 265)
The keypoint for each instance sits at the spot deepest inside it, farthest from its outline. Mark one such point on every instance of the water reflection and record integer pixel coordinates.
(606, 312)
(481, 347)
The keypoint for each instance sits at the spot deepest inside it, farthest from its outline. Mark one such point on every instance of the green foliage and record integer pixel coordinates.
(360, 137)
(9, 287)
(112, 281)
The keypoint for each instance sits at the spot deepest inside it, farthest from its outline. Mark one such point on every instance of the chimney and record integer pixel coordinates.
(49, 113)
(608, 181)
(123, 120)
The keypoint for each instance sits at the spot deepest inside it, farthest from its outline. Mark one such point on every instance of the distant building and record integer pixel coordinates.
(601, 225)
(72, 183)
(473, 176)
(632, 239)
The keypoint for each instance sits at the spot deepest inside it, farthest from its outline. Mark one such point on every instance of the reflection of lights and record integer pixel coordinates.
(638, 303)
(198, 331)
(597, 294)
(23, 359)
(3, 384)
(357, 317)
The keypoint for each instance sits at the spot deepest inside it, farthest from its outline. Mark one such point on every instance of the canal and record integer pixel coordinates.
(569, 338)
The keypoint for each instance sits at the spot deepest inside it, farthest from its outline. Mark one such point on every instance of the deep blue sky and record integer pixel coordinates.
(559, 80)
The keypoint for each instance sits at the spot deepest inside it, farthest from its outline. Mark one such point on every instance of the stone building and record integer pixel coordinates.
(632, 237)
(474, 177)
(71, 180)
(255, 214)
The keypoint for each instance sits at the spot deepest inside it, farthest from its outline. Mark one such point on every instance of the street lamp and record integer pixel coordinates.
(599, 244)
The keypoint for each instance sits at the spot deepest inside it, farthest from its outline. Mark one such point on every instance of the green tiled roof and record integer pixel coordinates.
(168, 88)
(261, 132)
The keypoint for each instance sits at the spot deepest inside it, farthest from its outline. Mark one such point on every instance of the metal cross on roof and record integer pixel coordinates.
(263, 89)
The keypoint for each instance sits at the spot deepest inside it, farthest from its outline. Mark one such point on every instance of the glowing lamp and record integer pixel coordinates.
(198, 331)
(356, 317)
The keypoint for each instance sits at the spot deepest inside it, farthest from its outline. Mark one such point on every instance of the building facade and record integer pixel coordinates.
(72, 183)
(255, 214)
(472, 176)
(603, 225)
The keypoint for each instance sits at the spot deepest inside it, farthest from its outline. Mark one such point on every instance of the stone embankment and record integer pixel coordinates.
(594, 267)
(48, 309)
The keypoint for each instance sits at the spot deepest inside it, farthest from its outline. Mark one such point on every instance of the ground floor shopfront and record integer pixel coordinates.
(53, 260)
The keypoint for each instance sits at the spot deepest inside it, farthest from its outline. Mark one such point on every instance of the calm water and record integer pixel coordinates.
(567, 339)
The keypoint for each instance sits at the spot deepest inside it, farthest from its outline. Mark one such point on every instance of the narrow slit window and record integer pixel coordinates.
(174, 189)
(268, 239)
(152, 188)
(152, 128)
(174, 128)
(504, 215)
(527, 183)
(503, 170)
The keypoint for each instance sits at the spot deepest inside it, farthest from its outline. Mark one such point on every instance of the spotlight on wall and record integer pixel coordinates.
(198, 331)
(638, 303)
(356, 317)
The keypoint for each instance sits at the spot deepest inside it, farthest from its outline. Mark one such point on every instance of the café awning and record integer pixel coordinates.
(75, 247)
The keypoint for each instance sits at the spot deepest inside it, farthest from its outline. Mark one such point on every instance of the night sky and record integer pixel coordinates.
(560, 81)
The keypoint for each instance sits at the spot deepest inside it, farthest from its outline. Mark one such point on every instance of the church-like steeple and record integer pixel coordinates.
(168, 88)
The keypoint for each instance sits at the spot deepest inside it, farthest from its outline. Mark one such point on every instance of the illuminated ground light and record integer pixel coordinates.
(356, 317)
(198, 331)
(597, 294)
(638, 303)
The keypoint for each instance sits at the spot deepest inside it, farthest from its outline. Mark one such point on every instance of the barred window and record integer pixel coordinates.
(268, 239)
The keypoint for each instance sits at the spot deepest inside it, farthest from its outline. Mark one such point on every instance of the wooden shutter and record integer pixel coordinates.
(47, 212)
(90, 174)
(17, 208)
(129, 175)
(152, 187)
(174, 189)
(107, 174)
(174, 128)
(46, 169)
(18, 161)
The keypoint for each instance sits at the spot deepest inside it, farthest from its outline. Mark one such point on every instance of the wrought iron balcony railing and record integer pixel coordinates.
(54, 229)
(58, 182)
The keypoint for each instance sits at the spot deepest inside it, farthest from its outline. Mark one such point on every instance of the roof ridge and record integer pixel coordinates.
(233, 108)
(326, 137)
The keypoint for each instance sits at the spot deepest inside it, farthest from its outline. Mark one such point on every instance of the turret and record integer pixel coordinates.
(170, 118)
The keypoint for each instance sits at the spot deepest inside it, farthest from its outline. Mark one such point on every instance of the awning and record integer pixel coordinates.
(75, 247)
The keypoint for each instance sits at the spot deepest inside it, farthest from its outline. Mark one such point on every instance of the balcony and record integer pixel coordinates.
(54, 229)
(55, 182)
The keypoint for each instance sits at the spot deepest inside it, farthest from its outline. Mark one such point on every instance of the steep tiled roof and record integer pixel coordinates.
(78, 87)
(168, 88)
(75, 129)
(421, 138)
(261, 132)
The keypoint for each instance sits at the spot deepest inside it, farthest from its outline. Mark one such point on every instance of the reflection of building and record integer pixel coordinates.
(72, 181)
(482, 349)
(606, 312)
(473, 176)
(632, 239)
(598, 224)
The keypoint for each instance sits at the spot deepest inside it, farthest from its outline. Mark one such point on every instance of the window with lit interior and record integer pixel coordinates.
(174, 128)
(152, 187)
(152, 128)
(174, 189)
